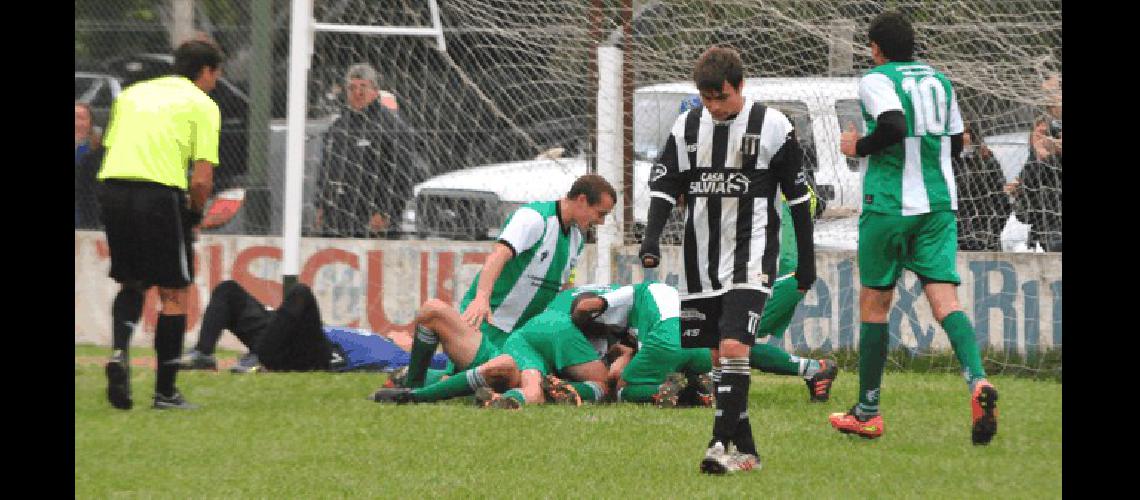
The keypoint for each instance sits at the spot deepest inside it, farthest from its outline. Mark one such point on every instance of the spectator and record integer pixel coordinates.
(88, 156)
(983, 206)
(369, 164)
(1037, 191)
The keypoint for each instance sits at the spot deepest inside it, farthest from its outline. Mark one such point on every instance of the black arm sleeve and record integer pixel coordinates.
(890, 129)
(955, 145)
(664, 179)
(805, 262)
(659, 210)
(787, 165)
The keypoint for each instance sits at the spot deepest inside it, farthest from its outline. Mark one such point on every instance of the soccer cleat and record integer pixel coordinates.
(505, 403)
(706, 390)
(175, 402)
(119, 382)
(559, 392)
(247, 364)
(397, 378)
(848, 423)
(483, 396)
(983, 407)
(738, 461)
(195, 360)
(716, 460)
(398, 395)
(668, 394)
(819, 385)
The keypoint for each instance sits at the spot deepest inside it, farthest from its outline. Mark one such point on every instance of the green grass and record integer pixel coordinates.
(314, 435)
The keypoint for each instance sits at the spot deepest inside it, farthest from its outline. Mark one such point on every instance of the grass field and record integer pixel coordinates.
(314, 435)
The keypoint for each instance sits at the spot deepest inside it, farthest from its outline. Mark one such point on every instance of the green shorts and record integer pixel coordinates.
(549, 343)
(659, 355)
(780, 307)
(926, 244)
(487, 351)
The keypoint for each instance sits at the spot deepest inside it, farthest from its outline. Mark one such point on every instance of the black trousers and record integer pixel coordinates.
(291, 338)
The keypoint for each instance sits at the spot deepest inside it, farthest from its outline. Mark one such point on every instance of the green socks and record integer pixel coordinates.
(772, 359)
(961, 334)
(516, 395)
(637, 393)
(462, 384)
(424, 344)
(588, 391)
(874, 339)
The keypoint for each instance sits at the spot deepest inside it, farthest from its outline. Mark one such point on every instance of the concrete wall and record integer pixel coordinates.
(1014, 300)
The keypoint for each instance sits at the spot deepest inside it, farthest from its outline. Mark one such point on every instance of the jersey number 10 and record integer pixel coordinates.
(928, 100)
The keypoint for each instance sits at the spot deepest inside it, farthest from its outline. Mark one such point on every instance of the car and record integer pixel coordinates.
(98, 90)
(473, 203)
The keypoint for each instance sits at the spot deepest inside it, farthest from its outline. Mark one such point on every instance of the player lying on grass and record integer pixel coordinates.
(526, 370)
(291, 338)
(642, 370)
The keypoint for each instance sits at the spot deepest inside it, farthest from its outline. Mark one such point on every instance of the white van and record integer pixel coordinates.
(473, 203)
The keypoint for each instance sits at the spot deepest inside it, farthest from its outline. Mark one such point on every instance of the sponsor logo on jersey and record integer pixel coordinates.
(720, 183)
(543, 255)
(691, 332)
(658, 172)
(692, 314)
(750, 144)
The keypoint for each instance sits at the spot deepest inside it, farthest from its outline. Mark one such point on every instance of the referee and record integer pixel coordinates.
(151, 206)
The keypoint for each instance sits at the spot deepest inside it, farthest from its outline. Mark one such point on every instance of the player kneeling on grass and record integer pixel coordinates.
(653, 367)
(529, 369)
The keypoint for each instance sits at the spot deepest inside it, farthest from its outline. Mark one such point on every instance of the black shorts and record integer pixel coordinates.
(735, 314)
(147, 233)
(295, 338)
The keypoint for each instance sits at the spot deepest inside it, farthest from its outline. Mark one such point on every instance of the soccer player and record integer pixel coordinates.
(527, 367)
(159, 128)
(537, 249)
(290, 338)
(908, 219)
(731, 158)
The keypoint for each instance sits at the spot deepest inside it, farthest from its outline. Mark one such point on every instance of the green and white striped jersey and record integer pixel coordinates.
(915, 176)
(545, 254)
(641, 307)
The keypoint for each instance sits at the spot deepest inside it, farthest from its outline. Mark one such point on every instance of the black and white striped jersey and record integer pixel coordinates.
(730, 174)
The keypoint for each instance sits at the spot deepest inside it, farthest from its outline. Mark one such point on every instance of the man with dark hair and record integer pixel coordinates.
(908, 220)
(983, 206)
(731, 159)
(537, 249)
(369, 164)
(149, 210)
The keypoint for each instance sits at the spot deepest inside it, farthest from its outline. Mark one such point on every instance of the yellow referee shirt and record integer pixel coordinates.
(157, 128)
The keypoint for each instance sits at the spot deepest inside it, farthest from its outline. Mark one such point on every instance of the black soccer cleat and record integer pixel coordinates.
(175, 402)
(195, 360)
(397, 395)
(819, 385)
(119, 382)
(983, 409)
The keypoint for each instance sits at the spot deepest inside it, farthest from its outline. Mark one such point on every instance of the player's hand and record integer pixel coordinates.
(650, 254)
(848, 139)
(478, 311)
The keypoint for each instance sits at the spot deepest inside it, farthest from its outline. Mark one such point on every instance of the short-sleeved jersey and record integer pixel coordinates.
(157, 128)
(915, 176)
(731, 174)
(546, 251)
(642, 308)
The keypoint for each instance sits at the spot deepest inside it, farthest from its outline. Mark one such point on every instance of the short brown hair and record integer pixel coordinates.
(592, 185)
(716, 66)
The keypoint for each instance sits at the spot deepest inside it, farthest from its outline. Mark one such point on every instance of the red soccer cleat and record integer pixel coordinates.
(983, 409)
(848, 423)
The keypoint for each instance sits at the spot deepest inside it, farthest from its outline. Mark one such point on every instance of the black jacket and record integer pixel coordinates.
(1039, 201)
(369, 165)
(983, 208)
